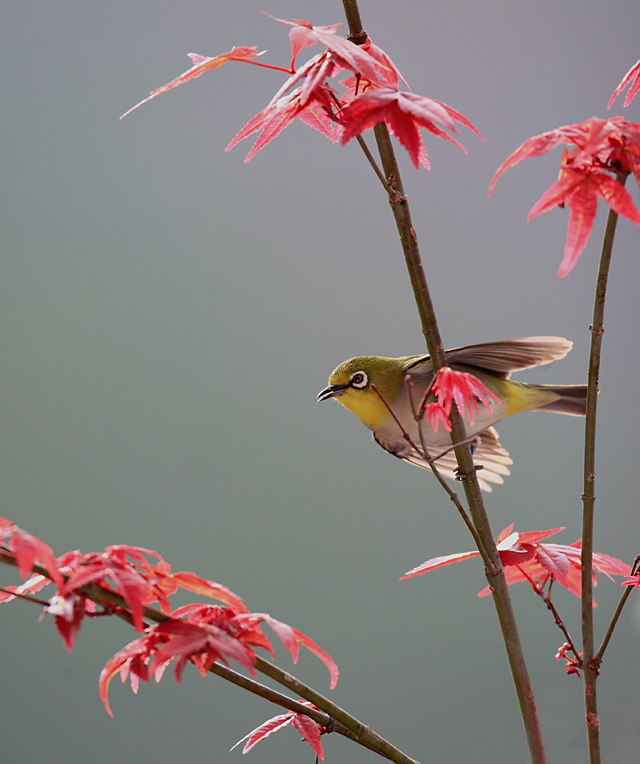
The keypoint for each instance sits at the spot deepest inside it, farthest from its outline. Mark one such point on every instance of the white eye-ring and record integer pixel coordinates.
(359, 380)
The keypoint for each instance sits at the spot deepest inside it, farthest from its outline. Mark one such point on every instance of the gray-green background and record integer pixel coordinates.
(168, 315)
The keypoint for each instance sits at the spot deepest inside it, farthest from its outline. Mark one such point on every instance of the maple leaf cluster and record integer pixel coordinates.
(604, 150)
(525, 558)
(123, 581)
(372, 94)
(466, 390)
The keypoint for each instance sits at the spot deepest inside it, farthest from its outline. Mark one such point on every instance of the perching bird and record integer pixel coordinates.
(491, 362)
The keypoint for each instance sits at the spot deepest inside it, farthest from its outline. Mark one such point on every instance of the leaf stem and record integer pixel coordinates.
(588, 495)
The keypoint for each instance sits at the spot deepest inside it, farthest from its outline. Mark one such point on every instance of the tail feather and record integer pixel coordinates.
(572, 400)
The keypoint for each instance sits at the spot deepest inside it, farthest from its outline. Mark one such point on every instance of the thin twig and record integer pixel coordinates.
(419, 418)
(588, 495)
(597, 658)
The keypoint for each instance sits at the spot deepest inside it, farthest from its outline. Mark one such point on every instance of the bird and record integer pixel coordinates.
(372, 387)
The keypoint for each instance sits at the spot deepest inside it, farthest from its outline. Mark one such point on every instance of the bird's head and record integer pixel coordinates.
(351, 385)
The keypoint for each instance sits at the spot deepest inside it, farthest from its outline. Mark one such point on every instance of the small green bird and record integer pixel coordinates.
(492, 363)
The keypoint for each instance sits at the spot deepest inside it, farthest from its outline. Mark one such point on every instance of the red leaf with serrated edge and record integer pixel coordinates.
(31, 586)
(315, 116)
(28, 551)
(276, 116)
(583, 204)
(404, 114)
(291, 639)
(554, 561)
(120, 663)
(532, 147)
(201, 64)
(275, 724)
(187, 639)
(68, 613)
(193, 583)
(602, 148)
(347, 54)
(525, 558)
(618, 198)
(633, 77)
(438, 562)
(529, 537)
(310, 731)
(328, 661)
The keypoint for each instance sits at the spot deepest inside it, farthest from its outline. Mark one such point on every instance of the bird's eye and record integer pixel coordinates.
(359, 380)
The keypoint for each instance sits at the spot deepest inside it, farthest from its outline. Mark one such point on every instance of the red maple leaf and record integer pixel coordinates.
(601, 150)
(309, 730)
(174, 639)
(291, 640)
(311, 108)
(68, 612)
(463, 388)
(202, 64)
(632, 77)
(404, 115)
(346, 54)
(525, 558)
(579, 189)
(126, 571)
(28, 551)
(203, 634)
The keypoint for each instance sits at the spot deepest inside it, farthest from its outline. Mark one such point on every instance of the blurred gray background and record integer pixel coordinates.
(168, 315)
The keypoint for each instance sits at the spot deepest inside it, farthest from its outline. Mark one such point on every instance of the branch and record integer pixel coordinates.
(347, 725)
(431, 332)
(588, 495)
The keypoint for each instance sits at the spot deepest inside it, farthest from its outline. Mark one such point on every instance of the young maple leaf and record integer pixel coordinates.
(579, 190)
(272, 120)
(309, 730)
(173, 639)
(601, 150)
(28, 551)
(124, 570)
(404, 115)
(292, 639)
(525, 558)
(68, 612)
(463, 388)
(193, 583)
(346, 54)
(203, 634)
(632, 77)
(202, 64)
(436, 415)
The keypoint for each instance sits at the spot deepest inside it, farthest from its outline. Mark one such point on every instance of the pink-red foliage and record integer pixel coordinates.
(309, 730)
(372, 94)
(602, 150)
(631, 78)
(198, 633)
(525, 558)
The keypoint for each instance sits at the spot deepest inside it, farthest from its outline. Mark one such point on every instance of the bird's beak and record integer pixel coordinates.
(332, 391)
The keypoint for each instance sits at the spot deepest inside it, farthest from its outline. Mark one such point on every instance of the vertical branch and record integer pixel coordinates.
(588, 495)
(431, 332)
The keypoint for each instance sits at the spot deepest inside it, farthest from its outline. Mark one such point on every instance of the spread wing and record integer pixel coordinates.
(500, 358)
(489, 455)
(503, 357)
